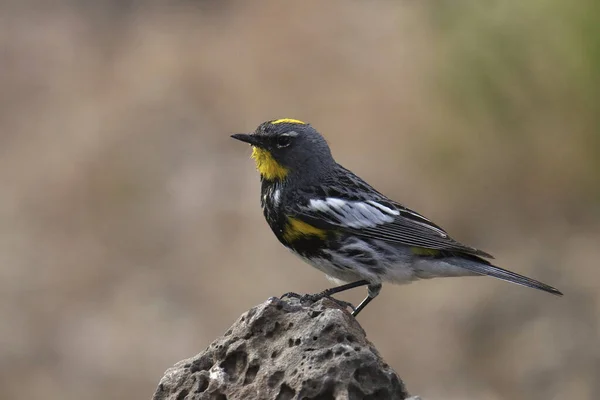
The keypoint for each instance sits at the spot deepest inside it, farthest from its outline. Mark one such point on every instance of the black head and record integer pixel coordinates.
(287, 144)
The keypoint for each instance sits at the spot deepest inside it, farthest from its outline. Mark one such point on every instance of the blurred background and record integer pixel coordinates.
(131, 234)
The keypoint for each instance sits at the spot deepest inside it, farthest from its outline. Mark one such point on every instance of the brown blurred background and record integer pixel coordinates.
(131, 234)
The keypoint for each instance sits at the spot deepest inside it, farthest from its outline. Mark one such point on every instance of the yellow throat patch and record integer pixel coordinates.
(267, 166)
(295, 229)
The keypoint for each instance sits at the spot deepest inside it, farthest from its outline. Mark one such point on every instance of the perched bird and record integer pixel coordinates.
(340, 225)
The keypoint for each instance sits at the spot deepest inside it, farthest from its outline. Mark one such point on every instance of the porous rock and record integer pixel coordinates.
(285, 350)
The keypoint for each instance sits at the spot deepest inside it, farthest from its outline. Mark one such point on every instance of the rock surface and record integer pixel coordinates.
(285, 350)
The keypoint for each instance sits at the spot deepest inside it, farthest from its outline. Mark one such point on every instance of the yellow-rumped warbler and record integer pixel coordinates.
(340, 225)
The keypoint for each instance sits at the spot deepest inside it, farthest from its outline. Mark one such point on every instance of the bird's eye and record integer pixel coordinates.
(283, 141)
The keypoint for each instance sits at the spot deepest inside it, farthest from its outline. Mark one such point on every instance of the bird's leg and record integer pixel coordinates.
(372, 292)
(314, 297)
(327, 293)
(338, 289)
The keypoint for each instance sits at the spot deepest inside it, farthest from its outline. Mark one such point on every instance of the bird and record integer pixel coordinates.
(341, 225)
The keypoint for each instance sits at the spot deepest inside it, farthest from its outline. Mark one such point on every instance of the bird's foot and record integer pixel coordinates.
(311, 298)
(341, 303)
(291, 295)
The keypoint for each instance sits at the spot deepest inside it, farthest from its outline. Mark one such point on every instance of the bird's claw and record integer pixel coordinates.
(341, 303)
(291, 295)
(311, 298)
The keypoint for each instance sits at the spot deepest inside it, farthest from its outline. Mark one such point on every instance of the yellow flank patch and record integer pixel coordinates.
(295, 229)
(421, 251)
(287, 121)
(267, 166)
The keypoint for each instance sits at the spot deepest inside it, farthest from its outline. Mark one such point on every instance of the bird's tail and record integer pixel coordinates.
(485, 268)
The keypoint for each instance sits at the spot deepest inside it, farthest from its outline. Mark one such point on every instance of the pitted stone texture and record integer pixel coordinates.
(284, 350)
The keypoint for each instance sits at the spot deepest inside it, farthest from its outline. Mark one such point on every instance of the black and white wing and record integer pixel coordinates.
(377, 217)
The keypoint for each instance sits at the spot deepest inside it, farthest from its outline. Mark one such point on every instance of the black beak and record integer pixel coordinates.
(248, 138)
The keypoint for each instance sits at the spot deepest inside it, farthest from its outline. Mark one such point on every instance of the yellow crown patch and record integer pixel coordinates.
(287, 121)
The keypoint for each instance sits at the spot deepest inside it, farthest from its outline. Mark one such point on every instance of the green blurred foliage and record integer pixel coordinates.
(528, 73)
